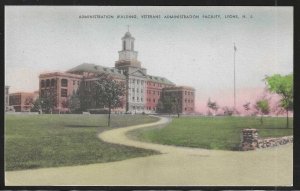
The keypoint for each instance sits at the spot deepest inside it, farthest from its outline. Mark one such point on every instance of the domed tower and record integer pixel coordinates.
(127, 56)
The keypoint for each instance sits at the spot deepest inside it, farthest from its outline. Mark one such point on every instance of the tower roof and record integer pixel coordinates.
(127, 35)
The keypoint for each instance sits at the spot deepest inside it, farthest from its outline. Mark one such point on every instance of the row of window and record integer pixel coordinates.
(188, 93)
(138, 107)
(155, 84)
(151, 108)
(153, 92)
(52, 82)
(149, 100)
(137, 90)
(137, 99)
(188, 109)
(137, 81)
(63, 93)
(189, 101)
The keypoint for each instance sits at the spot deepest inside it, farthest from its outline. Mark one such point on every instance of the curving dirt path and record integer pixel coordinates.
(175, 166)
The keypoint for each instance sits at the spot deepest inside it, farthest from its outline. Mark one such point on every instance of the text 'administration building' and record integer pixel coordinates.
(143, 91)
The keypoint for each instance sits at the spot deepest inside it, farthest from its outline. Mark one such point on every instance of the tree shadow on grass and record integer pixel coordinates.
(84, 126)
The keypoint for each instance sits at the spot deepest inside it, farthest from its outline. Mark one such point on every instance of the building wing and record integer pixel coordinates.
(97, 69)
(159, 79)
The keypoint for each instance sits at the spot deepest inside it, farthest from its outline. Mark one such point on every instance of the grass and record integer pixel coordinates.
(38, 141)
(223, 133)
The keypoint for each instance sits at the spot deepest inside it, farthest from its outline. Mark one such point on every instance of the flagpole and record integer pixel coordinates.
(234, 93)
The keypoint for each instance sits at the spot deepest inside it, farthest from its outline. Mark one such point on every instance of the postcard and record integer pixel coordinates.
(148, 96)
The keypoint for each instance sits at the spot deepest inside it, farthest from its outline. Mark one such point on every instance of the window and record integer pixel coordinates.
(64, 82)
(137, 81)
(142, 82)
(141, 99)
(137, 90)
(47, 83)
(124, 45)
(73, 82)
(185, 100)
(188, 93)
(53, 82)
(42, 83)
(154, 100)
(132, 89)
(78, 83)
(138, 99)
(185, 109)
(142, 91)
(133, 81)
(64, 93)
(184, 92)
(132, 98)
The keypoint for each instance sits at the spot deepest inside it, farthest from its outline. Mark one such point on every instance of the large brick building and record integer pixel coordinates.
(21, 101)
(185, 96)
(142, 90)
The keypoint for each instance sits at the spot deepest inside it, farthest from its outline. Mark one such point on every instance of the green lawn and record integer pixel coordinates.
(36, 141)
(222, 133)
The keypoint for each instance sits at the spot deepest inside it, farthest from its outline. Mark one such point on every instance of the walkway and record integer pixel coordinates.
(176, 166)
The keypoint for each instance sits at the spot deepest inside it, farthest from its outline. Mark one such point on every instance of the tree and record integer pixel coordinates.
(247, 106)
(262, 106)
(228, 111)
(169, 103)
(36, 105)
(74, 103)
(108, 92)
(28, 103)
(212, 105)
(48, 101)
(283, 86)
(85, 95)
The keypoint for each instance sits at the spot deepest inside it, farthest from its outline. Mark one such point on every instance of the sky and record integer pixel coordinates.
(196, 52)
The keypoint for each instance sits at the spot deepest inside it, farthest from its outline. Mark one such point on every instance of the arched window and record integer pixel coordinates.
(43, 83)
(64, 82)
(47, 83)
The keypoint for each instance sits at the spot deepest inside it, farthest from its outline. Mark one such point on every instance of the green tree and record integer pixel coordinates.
(212, 105)
(36, 105)
(49, 101)
(247, 106)
(85, 95)
(169, 103)
(74, 103)
(108, 92)
(283, 86)
(228, 111)
(263, 107)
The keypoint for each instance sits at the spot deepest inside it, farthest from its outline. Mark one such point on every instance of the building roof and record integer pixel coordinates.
(88, 67)
(22, 93)
(55, 74)
(159, 79)
(180, 88)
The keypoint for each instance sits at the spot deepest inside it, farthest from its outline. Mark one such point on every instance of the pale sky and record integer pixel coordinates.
(193, 52)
